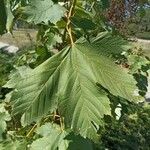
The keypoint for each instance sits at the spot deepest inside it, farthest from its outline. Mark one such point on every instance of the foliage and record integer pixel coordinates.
(131, 132)
(5, 67)
(53, 138)
(2, 17)
(139, 65)
(77, 80)
(62, 91)
(4, 116)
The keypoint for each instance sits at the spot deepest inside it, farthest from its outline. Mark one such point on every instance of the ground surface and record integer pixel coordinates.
(20, 38)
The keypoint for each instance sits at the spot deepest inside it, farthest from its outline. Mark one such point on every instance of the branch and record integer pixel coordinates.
(70, 13)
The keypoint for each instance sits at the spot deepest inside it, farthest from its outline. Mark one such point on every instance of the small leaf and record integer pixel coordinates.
(55, 138)
(10, 17)
(52, 140)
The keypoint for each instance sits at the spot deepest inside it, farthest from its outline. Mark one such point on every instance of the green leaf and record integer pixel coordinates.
(54, 138)
(51, 140)
(6, 17)
(82, 13)
(44, 11)
(10, 17)
(4, 116)
(68, 81)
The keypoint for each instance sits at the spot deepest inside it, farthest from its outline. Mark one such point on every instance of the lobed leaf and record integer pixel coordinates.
(58, 139)
(44, 11)
(68, 82)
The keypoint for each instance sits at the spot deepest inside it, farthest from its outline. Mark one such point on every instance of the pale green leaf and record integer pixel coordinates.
(44, 11)
(4, 116)
(53, 138)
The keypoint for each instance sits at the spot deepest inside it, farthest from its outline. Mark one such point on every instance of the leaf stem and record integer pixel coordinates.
(62, 123)
(68, 27)
(31, 131)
